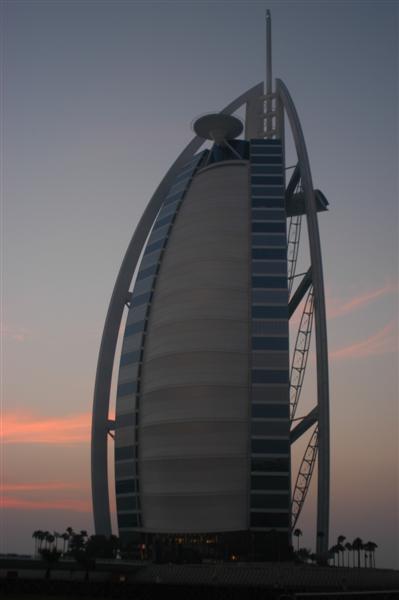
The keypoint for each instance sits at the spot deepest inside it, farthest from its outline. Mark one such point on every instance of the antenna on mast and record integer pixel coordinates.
(268, 82)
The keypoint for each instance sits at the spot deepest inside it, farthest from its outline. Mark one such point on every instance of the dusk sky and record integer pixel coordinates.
(98, 98)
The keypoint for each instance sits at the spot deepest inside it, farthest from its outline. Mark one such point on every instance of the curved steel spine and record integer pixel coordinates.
(294, 235)
(120, 295)
(301, 352)
(320, 322)
(304, 477)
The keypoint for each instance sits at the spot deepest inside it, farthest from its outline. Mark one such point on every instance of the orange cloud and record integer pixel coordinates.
(24, 428)
(382, 342)
(22, 504)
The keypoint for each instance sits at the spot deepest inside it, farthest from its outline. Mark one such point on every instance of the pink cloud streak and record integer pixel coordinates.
(22, 504)
(337, 308)
(24, 428)
(40, 487)
(382, 342)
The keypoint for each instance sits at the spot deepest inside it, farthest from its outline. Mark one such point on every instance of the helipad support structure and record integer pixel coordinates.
(206, 400)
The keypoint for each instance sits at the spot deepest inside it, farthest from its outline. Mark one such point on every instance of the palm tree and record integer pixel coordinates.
(56, 537)
(348, 546)
(357, 546)
(70, 533)
(41, 536)
(373, 546)
(45, 534)
(36, 537)
(65, 538)
(297, 533)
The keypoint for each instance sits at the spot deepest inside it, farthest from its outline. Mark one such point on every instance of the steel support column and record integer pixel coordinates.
(323, 484)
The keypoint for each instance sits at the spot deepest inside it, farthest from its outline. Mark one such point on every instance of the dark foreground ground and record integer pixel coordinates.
(234, 581)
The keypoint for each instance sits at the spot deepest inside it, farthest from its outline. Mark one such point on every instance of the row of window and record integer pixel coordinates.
(272, 191)
(266, 160)
(270, 202)
(260, 376)
(270, 343)
(270, 520)
(126, 486)
(270, 428)
(128, 520)
(264, 214)
(265, 501)
(270, 446)
(267, 149)
(268, 465)
(127, 503)
(271, 482)
(270, 411)
(270, 227)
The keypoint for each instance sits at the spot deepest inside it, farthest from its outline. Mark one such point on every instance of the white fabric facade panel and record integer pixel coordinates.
(194, 412)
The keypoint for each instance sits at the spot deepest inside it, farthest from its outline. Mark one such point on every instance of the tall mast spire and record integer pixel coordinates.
(268, 82)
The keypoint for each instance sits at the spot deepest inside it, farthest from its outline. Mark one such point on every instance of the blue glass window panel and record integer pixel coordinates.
(269, 253)
(271, 465)
(268, 192)
(270, 482)
(279, 328)
(138, 300)
(130, 357)
(125, 389)
(138, 313)
(172, 197)
(186, 173)
(268, 267)
(274, 361)
(266, 376)
(170, 209)
(126, 503)
(270, 411)
(159, 234)
(267, 180)
(134, 328)
(146, 285)
(258, 149)
(125, 486)
(128, 520)
(125, 468)
(266, 160)
(126, 420)
(155, 246)
(270, 428)
(143, 273)
(276, 202)
(270, 312)
(264, 343)
(164, 221)
(125, 453)
(273, 394)
(270, 520)
(270, 296)
(266, 240)
(267, 227)
(269, 215)
(266, 501)
(179, 186)
(266, 170)
(269, 281)
(270, 446)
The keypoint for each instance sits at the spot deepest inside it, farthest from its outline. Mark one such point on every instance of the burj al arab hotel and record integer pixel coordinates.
(209, 378)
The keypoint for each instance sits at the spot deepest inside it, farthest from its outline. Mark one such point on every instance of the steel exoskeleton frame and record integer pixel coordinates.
(120, 296)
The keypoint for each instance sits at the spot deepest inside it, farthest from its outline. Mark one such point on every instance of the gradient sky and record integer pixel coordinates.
(98, 98)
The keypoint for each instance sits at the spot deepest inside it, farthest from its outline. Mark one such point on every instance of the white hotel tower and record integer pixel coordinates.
(206, 400)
